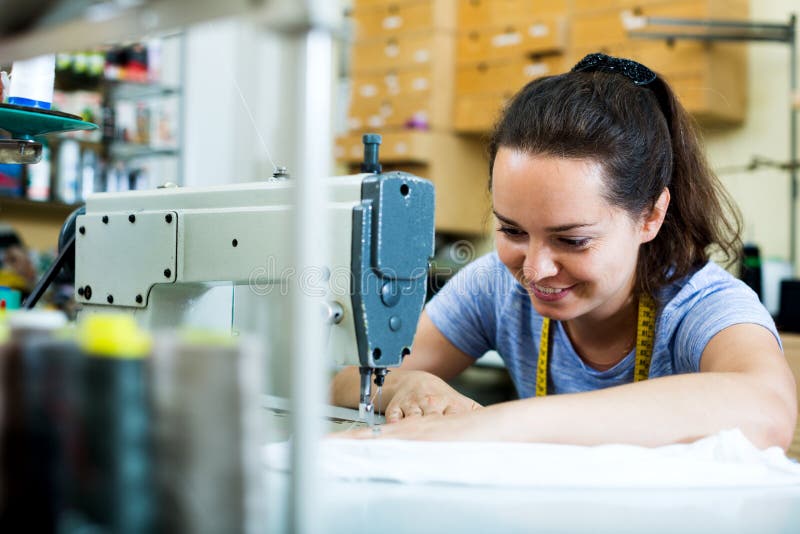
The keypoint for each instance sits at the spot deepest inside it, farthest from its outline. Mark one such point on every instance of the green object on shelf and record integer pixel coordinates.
(24, 122)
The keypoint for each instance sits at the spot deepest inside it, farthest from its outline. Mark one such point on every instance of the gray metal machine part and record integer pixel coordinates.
(393, 238)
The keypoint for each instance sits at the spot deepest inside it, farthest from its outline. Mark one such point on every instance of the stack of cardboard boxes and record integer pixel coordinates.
(402, 79)
(709, 77)
(502, 45)
(432, 76)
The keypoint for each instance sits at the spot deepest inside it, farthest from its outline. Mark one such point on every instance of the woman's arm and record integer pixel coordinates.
(744, 382)
(418, 386)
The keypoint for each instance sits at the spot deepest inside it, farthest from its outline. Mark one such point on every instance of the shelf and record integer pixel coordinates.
(85, 143)
(122, 90)
(20, 205)
(26, 122)
(122, 150)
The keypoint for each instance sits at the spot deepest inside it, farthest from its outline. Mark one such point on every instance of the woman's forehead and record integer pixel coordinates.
(517, 172)
(548, 189)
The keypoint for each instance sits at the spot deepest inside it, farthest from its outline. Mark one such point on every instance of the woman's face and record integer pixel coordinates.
(574, 252)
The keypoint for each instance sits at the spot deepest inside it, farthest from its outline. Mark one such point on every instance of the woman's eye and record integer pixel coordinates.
(580, 242)
(510, 231)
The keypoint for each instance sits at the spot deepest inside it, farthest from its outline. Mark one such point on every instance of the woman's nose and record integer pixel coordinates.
(539, 264)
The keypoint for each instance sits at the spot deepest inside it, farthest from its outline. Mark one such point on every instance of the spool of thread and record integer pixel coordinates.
(115, 490)
(29, 499)
(207, 393)
(32, 82)
(51, 369)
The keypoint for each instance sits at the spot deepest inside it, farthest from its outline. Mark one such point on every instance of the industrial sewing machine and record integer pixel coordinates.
(174, 257)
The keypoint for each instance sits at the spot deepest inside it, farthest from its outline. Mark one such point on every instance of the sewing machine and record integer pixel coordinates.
(175, 256)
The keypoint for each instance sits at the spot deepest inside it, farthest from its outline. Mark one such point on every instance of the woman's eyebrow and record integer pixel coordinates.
(505, 219)
(559, 228)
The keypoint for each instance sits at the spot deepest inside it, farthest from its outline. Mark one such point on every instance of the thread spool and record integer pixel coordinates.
(207, 393)
(115, 491)
(51, 367)
(28, 498)
(32, 82)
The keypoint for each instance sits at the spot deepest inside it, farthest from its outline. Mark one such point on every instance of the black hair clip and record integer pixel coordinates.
(638, 73)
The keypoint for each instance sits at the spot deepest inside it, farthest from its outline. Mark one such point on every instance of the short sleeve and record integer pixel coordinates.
(715, 308)
(464, 310)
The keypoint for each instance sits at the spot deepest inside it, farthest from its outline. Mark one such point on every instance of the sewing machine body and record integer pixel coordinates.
(176, 257)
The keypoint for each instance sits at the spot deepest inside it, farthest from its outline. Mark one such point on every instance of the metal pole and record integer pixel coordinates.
(309, 362)
(793, 163)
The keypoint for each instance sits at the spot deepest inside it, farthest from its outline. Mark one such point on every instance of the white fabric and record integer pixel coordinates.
(727, 459)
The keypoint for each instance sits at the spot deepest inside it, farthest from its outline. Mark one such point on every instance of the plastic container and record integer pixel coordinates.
(32, 82)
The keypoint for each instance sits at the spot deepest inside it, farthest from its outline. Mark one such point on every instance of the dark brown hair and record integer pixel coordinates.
(643, 143)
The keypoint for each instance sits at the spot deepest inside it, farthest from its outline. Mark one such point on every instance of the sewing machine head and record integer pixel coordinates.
(174, 257)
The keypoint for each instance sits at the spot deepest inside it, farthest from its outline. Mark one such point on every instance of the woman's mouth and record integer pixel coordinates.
(549, 294)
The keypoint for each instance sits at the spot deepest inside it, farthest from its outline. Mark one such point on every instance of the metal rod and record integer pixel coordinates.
(793, 142)
(309, 360)
(713, 23)
(786, 33)
(702, 36)
(748, 31)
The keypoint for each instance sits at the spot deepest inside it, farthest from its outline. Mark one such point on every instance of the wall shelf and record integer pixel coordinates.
(16, 204)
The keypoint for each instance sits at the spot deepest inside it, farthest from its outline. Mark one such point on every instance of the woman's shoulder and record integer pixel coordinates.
(707, 286)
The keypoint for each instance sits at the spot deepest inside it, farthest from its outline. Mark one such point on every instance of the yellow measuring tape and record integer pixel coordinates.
(645, 334)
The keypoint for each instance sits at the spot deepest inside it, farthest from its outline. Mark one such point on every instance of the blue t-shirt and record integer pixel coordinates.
(484, 308)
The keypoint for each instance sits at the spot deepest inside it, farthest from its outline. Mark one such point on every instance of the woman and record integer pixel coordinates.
(606, 214)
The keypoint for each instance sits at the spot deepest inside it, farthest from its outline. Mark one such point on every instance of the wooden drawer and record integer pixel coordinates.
(709, 79)
(396, 147)
(414, 113)
(547, 33)
(403, 52)
(716, 96)
(668, 59)
(481, 13)
(579, 6)
(456, 165)
(372, 4)
(598, 28)
(393, 83)
(478, 113)
(390, 18)
(505, 76)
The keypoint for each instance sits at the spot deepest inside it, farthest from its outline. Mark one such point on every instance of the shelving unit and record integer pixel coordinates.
(122, 154)
(37, 222)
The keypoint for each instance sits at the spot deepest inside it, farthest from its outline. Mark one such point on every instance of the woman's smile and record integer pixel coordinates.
(549, 294)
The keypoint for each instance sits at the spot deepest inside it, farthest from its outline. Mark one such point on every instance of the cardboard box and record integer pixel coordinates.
(482, 13)
(505, 76)
(415, 82)
(608, 27)
(544, 34)
(478, 113)
(418, 75)
(406, 51)
(456, 165)
(394, 18)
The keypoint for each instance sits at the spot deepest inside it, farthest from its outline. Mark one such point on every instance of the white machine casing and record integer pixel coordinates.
(172, 257)
(220, 258)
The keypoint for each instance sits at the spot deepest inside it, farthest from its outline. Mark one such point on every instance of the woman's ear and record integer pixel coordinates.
(652, 221)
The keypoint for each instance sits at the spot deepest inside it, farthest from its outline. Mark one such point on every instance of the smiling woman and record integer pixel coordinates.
(601, 297)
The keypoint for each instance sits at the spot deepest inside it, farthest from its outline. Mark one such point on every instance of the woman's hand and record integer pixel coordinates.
(420, 393)
(460, 427)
